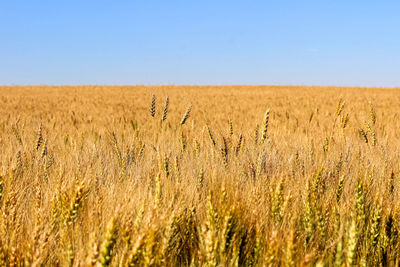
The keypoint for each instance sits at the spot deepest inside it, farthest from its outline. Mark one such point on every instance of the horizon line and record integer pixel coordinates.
(198, 85)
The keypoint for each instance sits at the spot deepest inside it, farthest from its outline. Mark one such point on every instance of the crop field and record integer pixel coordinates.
(199, 176)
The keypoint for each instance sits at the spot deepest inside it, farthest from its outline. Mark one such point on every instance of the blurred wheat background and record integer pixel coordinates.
(206, 175)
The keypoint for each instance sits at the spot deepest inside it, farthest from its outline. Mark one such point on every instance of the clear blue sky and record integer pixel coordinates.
(325, 42)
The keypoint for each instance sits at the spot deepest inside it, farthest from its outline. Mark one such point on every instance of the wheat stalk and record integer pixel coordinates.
(186, 115)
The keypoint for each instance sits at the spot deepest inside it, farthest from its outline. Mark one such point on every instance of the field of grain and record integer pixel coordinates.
(186, 175)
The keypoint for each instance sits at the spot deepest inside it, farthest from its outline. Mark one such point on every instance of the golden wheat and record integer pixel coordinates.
(88, 176)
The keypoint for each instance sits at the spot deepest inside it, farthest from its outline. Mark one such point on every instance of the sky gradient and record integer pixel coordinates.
(354, 43)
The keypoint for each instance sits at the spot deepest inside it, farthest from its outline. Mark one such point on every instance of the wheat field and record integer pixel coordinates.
(199, 176)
